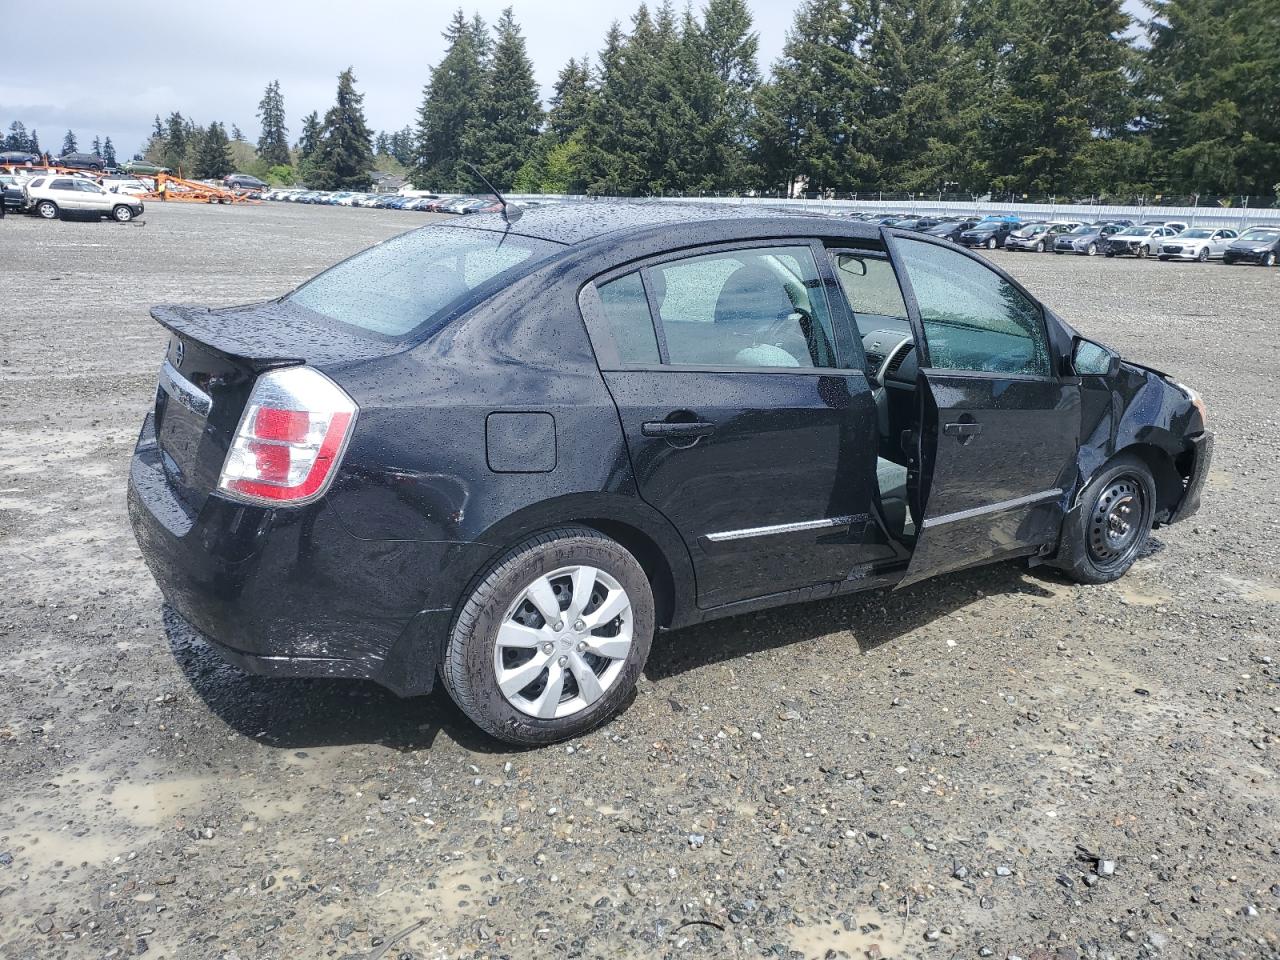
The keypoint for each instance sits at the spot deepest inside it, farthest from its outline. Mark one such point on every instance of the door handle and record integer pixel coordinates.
(962, 430)
(677, 429)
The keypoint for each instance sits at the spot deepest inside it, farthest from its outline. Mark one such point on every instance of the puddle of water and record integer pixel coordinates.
(1253, 591)
(815, 939)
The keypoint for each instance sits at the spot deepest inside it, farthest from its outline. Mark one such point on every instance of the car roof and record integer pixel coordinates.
(580, 222)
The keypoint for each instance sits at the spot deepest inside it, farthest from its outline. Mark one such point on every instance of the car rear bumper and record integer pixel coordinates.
(1202, 460)
(289, 592)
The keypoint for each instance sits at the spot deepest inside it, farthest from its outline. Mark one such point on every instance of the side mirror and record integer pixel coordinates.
(1089, 359)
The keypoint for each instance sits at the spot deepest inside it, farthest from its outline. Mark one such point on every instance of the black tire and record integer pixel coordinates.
(47, 210)
(1143, 252)
(467, 667)
(1104, 535)
(1091, 250)
(121, 213)
(1269, 260)
(992, 244)
(1040, 247)
(1203, 255)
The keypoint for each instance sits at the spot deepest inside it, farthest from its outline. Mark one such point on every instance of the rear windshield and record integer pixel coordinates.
(399, 285)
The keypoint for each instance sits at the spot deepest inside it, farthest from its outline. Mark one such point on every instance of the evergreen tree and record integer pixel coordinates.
(273, 141)
(33, 142)
(212, 153)
(310, 136)
(730, 47)
(570, 100)
(344, 157)
(173, 153)
(499, 138)
(69, 143)
(448, 106)
(1211, 80)
(808, 125)
(157, 130)
(382, 144)
(17, 138)
(108, 152)
(402, 146)
(1065, 82)
(923, 87)
(97, 147)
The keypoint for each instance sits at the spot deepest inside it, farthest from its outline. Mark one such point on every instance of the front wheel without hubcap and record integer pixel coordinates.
(1107, 532)
(551, 640)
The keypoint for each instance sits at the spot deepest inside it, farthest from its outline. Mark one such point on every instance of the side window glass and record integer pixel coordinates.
(627, 312)
(973, 318)
(762, 307)
(62, 185)
(871, 288)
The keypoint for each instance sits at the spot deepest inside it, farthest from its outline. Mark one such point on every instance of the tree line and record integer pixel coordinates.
(1008, 96)
(1069, 98)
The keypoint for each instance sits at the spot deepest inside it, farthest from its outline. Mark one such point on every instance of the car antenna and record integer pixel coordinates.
(509, 213)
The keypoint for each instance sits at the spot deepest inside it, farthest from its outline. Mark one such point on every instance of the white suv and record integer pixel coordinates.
(53, 196)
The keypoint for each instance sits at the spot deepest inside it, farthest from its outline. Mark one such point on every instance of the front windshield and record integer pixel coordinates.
(1261, 233)
(1196, 234)
(400, 284)
(1084, 228)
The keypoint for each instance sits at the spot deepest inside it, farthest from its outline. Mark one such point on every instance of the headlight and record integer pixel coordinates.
(1196, 400)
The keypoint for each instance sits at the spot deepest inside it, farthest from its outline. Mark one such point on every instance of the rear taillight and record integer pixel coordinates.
(290, 439)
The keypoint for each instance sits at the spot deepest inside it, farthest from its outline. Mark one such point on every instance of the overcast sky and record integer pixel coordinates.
(122, 65)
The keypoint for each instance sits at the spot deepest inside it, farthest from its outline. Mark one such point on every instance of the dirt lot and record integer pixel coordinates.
(997, 763)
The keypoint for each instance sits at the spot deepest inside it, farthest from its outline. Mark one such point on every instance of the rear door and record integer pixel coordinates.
(66, 194)
(999, 427)
(747, 415)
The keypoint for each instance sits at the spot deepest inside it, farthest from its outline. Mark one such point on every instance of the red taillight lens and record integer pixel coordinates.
(290, 439)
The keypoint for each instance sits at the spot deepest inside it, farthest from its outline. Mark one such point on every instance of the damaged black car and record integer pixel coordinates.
(503, 452)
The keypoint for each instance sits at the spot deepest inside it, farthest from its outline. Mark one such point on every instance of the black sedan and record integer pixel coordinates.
(1259, 245)
(505, 453)
(989, 233)
(951, 230)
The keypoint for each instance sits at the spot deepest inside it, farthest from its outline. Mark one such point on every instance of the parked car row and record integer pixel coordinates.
(1165, 239)
(431, 203)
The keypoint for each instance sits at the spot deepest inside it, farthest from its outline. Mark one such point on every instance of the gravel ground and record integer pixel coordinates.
(996, 763)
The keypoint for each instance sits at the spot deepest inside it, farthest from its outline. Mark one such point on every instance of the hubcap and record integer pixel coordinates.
(563, 643)
(1116, 522)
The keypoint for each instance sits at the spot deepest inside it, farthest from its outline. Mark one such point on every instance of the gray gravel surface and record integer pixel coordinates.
(996, 763)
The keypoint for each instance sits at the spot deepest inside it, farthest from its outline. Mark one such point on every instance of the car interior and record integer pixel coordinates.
(871, 287)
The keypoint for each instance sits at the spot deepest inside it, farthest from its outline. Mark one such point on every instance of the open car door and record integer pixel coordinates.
(998, 428)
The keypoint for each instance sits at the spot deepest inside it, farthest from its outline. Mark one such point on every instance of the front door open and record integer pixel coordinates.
(998, 428)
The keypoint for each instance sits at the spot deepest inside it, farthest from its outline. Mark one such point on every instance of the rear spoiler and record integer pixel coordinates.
(227, 332)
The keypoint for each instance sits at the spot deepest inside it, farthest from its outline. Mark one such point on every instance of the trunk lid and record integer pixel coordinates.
(211, 363)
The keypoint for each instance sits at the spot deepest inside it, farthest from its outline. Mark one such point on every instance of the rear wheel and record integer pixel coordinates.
(47, 209)
(1107, 532)
(552, 638)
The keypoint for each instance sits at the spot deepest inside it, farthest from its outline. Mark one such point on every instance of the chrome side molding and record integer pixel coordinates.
(800, 527)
